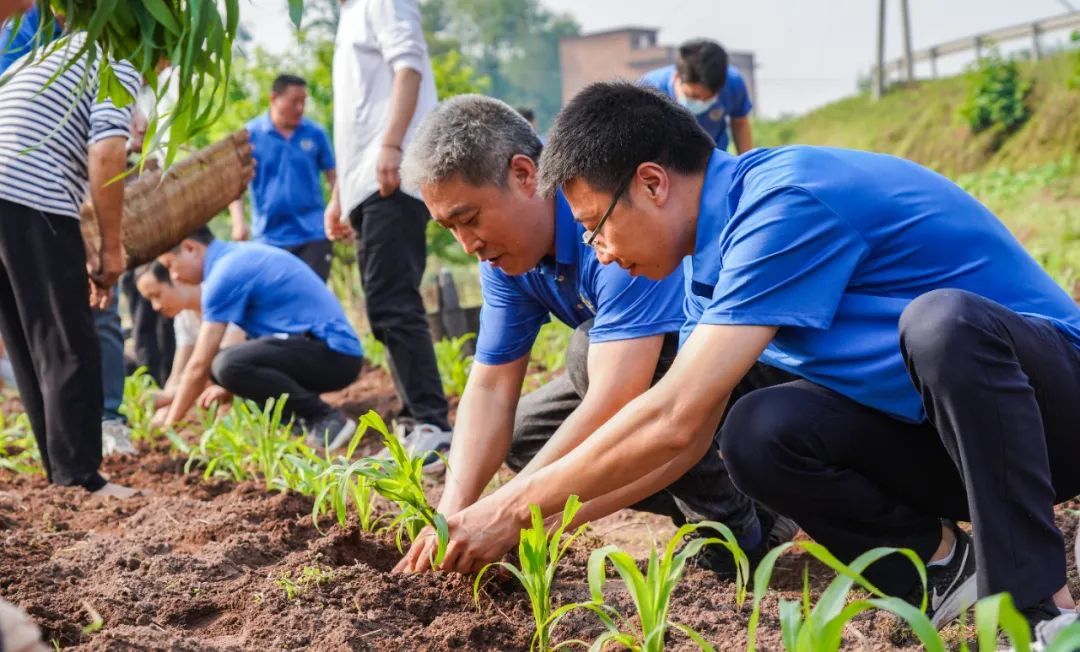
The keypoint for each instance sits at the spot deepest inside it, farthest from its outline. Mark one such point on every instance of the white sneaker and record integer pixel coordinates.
(116, 438)
(423, 440)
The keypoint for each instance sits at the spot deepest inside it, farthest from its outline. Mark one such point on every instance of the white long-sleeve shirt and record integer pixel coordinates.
(375, 39)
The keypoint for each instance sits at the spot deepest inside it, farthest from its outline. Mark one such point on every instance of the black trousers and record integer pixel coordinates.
(152, 332)
(316, 253)
(705, 492)
(1000, 448)
(391, 251)
(46, 324)
(300, 366)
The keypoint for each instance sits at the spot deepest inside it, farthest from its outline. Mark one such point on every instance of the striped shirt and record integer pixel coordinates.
(45, 135)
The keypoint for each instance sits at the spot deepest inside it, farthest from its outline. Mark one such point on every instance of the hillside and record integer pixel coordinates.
(918, 122)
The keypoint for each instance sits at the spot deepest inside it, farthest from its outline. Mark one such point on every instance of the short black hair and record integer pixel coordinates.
(283, 82)
(202, 235)
(610, 128)
(527, 113)
(702, 61)
(155, 269)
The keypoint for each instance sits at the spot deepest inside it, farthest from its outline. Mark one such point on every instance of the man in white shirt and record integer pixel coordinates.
(383, 88)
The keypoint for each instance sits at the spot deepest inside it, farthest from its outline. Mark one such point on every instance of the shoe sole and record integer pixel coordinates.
(959, 600)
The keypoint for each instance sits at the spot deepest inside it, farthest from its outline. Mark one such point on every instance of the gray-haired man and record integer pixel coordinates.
(475, 162)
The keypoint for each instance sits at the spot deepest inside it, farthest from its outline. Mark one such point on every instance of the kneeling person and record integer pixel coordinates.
(537, 263)
(303, 345)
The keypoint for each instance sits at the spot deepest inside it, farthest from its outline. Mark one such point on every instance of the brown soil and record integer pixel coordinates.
(193, 567)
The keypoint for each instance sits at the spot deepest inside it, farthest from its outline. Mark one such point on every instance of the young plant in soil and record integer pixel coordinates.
(401, 480)
(138, 404)
(18, 448)
(247, 443)
(651, 592)
(309, 576)
(454, 364)
(539, 555)
(335, 486)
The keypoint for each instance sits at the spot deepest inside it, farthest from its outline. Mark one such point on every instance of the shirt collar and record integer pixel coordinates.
(713, 215)
(214, 251)
(567, 233)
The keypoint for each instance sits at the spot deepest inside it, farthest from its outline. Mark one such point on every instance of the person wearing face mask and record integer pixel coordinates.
(706, 86)
(286, 194)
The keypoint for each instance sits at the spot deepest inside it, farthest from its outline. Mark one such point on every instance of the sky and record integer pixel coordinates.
(808, 52)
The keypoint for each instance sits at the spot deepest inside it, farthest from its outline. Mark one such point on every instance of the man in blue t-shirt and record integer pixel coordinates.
(705, 85)
(939, 364)
(15, 43)
(301, 343)
(474, 159)
(286, 194)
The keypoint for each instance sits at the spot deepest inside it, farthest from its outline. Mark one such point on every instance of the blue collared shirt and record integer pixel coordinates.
(733, 101)
(22, 41)
(286, 193)
(267, 291)
(831, 245)
(574, 287)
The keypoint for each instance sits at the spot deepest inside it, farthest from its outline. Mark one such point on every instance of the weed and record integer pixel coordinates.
(138, 403)
(291, 588)
(539, 555)
(308, 577)
(454, 364)
(651, 592)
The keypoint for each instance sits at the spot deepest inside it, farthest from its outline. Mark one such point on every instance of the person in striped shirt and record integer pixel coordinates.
(56, 144)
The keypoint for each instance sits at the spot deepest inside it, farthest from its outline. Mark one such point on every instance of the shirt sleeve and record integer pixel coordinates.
(225, 295)
(509, 319)
(786, 261)
(106, 119)
(398, 33)
(629, 307)
(740, 105)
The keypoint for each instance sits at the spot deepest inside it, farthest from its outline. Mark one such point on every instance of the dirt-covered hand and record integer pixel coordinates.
(420, 554)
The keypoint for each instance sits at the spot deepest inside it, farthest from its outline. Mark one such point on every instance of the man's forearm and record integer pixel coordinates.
(106, 162)
(403, 97)
(196, 374)
(582, 422)
(742, 134)
(482, 434)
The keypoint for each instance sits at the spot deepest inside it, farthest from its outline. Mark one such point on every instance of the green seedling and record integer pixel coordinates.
(401, 480)
(539, 554)
(246, 444)
(18, 448)
(819, 627)
(96, 621)
(138, 404)
(651, 592)
(374, 352)
(291, 588)
(345, 483)
(454, 364)
(309, 576)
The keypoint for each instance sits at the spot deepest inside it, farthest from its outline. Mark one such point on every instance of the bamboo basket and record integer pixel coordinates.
(161, 209)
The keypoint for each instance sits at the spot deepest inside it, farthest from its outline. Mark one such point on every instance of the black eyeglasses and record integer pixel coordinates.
(589, 236)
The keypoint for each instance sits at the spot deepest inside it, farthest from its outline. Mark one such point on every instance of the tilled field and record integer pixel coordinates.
(198, 566)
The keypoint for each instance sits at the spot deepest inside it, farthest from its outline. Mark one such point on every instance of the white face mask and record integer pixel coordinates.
(695, 106)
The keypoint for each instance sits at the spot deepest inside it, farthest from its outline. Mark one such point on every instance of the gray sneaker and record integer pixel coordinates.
(330, 432)
(116, 438)
(424, 440)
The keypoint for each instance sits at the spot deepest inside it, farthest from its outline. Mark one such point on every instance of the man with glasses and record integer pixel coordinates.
(475, 162)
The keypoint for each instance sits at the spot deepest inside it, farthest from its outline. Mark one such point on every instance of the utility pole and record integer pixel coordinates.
(905, 23)
(879, 69)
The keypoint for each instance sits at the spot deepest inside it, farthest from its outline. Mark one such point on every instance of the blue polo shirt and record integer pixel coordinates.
(286, 193)
(267, 291)
(733, 101)
(574, 287)
(14, 46)
(831, 245)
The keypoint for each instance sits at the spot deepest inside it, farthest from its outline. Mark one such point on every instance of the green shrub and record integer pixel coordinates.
(996, 93)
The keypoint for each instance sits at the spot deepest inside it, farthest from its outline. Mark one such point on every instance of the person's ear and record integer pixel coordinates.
(654, 182)
(523, 174)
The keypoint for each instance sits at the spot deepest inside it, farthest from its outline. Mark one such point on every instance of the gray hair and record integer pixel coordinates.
(470, 136)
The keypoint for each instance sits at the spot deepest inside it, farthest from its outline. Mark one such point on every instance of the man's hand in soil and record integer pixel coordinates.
(478, 535)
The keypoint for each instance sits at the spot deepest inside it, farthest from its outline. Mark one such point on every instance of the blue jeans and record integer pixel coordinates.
(111, 337)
